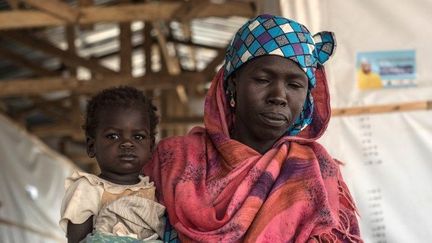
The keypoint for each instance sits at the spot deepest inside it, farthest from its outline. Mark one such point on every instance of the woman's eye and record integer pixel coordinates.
(262, 80)
(112, 136)
(295, 85)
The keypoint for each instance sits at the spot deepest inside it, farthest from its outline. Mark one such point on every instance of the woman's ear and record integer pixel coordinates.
(231, 90)
(91, 151)
(231, 83)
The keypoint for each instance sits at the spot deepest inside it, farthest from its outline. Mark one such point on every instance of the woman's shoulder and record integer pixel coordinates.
(195, 137)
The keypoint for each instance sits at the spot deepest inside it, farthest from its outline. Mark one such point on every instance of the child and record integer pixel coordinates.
(120, 133)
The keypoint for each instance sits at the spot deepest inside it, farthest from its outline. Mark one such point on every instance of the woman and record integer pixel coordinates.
(255, 172)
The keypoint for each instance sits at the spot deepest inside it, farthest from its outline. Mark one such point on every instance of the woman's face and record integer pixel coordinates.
(270, 92)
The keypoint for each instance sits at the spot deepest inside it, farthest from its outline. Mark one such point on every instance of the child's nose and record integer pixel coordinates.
(126, 144)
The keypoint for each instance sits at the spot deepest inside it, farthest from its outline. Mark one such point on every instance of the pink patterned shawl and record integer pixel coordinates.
(219, 190)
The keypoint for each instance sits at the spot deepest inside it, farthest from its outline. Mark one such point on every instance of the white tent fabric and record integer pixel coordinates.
(389, 171)
(31, 187)
(388, 156)
(383, 25)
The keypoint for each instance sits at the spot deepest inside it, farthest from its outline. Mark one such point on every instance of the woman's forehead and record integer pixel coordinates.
(272, 64)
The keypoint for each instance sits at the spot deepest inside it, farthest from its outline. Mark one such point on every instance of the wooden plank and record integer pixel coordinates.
(56, 8)
(45, 85)
(36, 86)
(175, 121)
(58, 130)
(14, 4)
(189, 9)
(68, 58)
(131, 12)
(76, 116)
(27, 19)
(192, 44)
(125, 48)
(70, 39)
(22, 61)
(211, 66)
(83, 4)
(77, 134)
(147, 47)
(226, 9)
(377, 109)
(172, 62)
(151, 11)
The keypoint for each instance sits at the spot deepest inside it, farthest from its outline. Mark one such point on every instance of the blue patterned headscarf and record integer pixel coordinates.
(275, 35)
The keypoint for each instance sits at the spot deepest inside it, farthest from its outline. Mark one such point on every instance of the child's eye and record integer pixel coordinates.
(139, 137)
(112, 136)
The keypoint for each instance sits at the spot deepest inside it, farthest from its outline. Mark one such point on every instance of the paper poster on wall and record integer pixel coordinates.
(385, 69)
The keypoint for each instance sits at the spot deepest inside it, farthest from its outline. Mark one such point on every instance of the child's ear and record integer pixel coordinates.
(91, 152)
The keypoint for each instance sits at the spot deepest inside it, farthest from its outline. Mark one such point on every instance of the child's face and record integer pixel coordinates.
(122, 143)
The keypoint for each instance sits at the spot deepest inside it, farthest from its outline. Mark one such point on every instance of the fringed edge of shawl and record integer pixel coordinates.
(343, 231)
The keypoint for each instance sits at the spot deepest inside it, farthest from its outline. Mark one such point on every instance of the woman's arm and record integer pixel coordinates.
(77, 232)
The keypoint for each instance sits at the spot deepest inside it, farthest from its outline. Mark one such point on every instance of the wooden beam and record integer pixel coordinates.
(45, 85)
(56, 8)
(77, 134)
(151, 11)
(83, 4)
(125, 48)
(147, 47)
(211, 66)
(68, 58)
(14, 4)
(22, 61)
(172, 62)
(376, 109)
(176, 121)
(192, 44)
(58, 130)
(19, 19)
(189, 9)
(70, 38)
(226, 9)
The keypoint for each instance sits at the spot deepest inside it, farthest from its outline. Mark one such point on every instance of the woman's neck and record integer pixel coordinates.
(259, 145)
(127, 179)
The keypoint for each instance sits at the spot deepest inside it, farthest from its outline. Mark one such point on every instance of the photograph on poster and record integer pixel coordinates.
(385, 69)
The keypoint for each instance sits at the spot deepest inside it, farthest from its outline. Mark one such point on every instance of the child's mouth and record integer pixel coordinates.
(127, 157)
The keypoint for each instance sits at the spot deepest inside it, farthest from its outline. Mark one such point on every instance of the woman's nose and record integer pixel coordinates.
(277, 94)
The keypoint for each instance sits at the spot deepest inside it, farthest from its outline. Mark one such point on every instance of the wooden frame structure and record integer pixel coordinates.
(23, 29)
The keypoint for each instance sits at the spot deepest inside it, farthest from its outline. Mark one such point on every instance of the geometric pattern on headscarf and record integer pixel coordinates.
(274, 35)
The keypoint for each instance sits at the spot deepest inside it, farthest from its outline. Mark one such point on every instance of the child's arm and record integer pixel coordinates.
(77, 232)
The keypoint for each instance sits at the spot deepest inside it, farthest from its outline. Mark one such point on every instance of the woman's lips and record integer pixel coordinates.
(274, 119)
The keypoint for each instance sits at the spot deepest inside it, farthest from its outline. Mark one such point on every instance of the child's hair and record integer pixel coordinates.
(122, 96)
